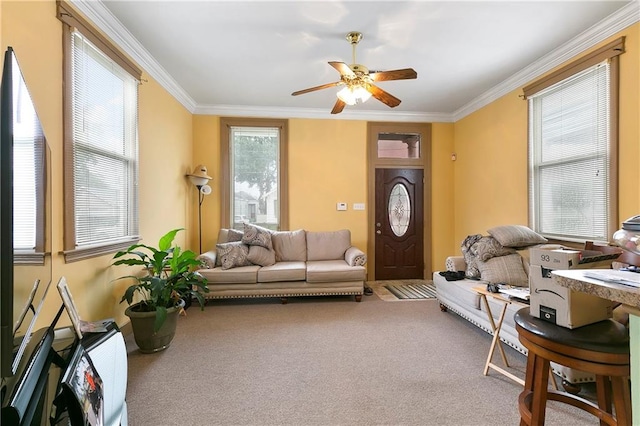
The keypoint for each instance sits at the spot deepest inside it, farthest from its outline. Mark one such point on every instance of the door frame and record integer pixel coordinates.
(424, 163)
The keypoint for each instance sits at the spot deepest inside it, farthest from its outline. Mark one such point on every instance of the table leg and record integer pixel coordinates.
(496, 333)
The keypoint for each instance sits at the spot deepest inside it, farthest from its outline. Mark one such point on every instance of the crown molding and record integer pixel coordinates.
(276, 112)
(102, 17)
(614, 23)
(105, 21)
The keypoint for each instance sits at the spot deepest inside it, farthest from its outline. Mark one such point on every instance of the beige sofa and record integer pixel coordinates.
(501, 257)
(262, 263)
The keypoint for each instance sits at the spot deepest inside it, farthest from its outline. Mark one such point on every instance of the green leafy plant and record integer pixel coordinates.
(169, 277)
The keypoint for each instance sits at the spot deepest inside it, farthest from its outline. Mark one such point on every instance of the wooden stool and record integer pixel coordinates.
(601, 348)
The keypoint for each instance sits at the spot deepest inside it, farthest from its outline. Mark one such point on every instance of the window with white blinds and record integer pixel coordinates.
(570, 157)
(29, 171)
(101, 164)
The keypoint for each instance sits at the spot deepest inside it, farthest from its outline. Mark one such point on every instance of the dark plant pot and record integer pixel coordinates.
(148, 340)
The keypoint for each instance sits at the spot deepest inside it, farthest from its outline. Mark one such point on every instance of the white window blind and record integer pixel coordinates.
(105, 147)
(28, 173)
(569, 134)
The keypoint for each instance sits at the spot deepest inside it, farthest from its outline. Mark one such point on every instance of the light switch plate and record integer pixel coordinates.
(341, 206)
(358, 206)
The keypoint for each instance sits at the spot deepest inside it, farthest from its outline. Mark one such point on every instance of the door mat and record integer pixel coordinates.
(401, 290)
(413, 291)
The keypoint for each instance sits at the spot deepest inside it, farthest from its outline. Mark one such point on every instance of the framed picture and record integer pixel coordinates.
(84, 391)
(69, 305)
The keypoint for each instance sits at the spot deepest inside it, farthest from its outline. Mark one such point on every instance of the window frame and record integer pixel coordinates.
(226, 123)
(609, 52)
(72, 20)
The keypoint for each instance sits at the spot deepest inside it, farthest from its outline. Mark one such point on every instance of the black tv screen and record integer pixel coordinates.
(24, 259)
(6, 216)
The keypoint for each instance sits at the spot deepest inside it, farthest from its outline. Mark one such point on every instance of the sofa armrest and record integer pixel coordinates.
(455, 264)
(355, 257)
(207, 259)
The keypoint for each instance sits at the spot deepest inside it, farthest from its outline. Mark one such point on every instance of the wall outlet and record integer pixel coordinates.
(341, 206)
(358, 206)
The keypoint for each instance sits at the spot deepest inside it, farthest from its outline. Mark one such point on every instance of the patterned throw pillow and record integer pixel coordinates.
(233, 254)
(234, 235)
(257, 236)
(487, 247)
(469, 257)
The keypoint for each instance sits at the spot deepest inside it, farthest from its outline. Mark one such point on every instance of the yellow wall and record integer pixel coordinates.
(327, 165)
(206, 150)
(491, 171)
(443, 193)
(165, 153)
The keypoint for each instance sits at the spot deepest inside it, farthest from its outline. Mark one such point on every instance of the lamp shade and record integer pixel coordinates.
(629, 236)
(200, 175)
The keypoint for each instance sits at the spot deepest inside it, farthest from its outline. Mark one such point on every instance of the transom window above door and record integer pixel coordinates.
(398, 145)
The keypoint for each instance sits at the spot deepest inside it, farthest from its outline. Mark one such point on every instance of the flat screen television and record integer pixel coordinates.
(25, 268)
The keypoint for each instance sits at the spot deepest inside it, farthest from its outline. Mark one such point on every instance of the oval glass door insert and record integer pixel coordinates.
(399, 208)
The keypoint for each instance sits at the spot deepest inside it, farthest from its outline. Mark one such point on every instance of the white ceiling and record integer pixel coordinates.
(247, 57)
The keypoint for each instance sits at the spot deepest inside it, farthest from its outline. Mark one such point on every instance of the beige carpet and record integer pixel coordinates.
(325, 361)
(387, 296)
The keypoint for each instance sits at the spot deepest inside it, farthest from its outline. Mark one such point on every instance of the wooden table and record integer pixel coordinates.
(495, 342)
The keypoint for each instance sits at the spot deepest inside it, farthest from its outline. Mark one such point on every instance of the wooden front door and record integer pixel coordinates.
(399, 223)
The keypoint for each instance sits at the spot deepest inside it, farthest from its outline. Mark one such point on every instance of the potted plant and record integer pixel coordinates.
(167, 281)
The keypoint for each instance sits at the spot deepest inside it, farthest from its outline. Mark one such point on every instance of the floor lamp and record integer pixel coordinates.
(200, 178)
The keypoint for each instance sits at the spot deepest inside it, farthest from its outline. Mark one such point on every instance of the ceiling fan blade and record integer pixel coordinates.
(338, 107)
(313, 89)
(342, 68)
(384, 97)
(403, 74)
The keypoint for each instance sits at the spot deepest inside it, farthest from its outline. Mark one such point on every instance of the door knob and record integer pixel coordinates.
(378, 232)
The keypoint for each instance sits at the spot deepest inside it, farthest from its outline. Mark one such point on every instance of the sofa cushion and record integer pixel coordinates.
(504, 269)
(261, 256)
(487, 247)
(516, 236)
(322, 271)
(233, 254)
(283, 271)
(240, 275)
(328, 245)
(257, 236)
(290, 246)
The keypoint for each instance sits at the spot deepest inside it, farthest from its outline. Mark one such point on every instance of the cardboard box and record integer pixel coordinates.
(565, 258)
(560, 305)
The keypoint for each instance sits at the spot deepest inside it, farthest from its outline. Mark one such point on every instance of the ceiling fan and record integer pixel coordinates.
(358, 81)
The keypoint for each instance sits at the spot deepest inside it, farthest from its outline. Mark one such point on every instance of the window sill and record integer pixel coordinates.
(29, 258)
(97, 250)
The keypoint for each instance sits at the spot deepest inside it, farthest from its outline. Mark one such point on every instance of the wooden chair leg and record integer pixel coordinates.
(540, 386)
(621, 399)
(603, 389)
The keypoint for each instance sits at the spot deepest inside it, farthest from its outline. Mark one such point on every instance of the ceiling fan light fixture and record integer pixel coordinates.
(352, 95)
(347, 96)
(362, 94)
